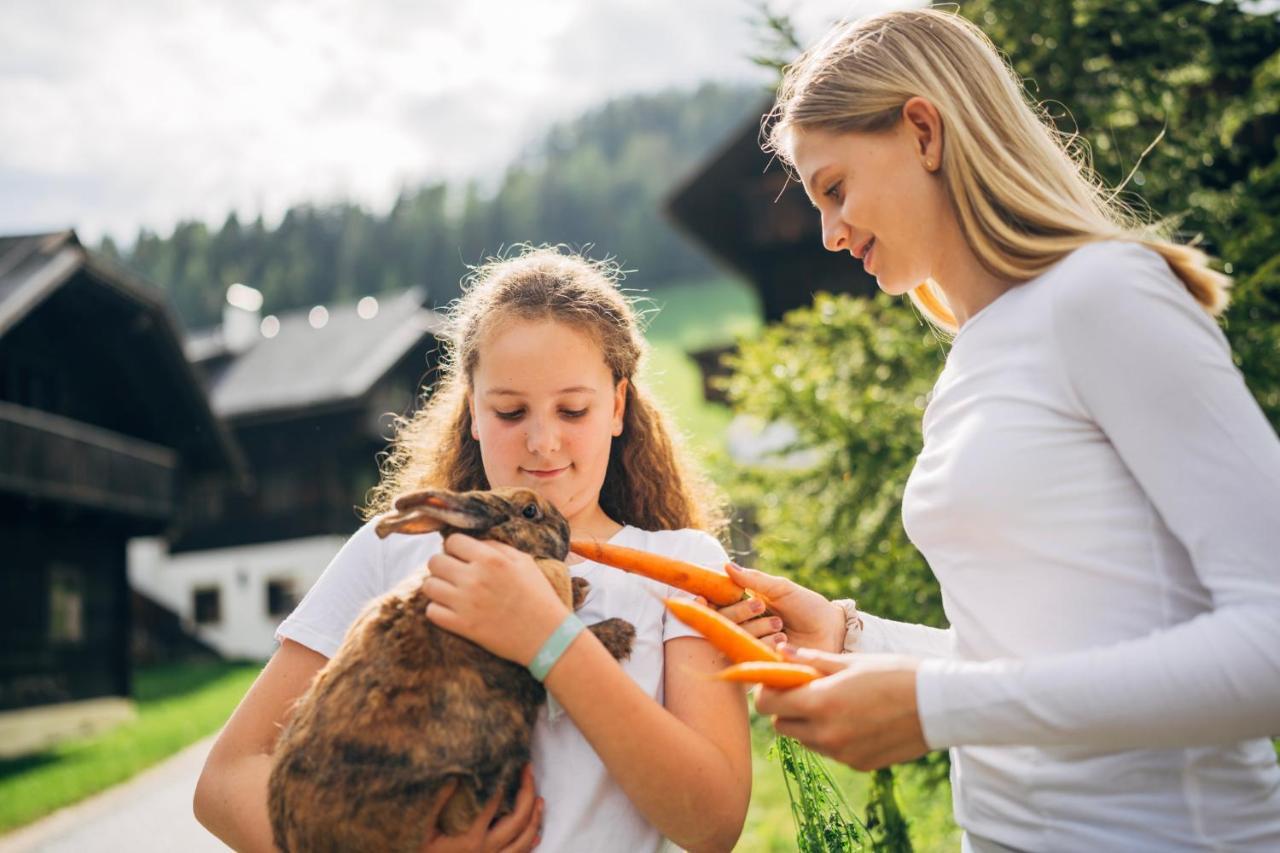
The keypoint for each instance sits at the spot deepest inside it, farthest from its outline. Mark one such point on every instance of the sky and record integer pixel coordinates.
(116, 116)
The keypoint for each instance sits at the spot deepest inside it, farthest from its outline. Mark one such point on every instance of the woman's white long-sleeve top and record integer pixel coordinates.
(1099, 496)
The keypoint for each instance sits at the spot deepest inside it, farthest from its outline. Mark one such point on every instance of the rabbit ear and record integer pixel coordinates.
(411, 521)
(430, 510)
(412, 500)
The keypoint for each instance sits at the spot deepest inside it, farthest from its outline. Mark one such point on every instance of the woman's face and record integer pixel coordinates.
(545, 409)
(878, 199)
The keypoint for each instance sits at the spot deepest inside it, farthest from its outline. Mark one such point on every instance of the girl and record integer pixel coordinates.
(540, 392)
(1098, 493)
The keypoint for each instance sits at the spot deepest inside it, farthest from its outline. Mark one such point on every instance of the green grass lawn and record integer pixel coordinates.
(177, 705)
(685, 316)
(700, 312)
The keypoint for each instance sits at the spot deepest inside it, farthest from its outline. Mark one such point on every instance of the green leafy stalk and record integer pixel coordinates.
(824, 822)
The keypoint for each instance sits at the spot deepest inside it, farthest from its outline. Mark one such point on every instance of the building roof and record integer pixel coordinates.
(32, 266)
(36, 267)
(302, 367)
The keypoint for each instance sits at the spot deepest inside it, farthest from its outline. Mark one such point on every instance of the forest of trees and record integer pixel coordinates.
(598, 180)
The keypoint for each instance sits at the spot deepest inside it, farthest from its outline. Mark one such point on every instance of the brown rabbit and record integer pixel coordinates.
(404, 707)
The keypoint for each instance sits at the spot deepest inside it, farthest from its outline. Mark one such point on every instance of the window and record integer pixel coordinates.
(286, 493)
(282, 596)
(37, 386)
(208, 605)
(205, 500)
(66, 605)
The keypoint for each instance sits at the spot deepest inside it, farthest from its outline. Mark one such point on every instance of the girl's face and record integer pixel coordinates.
(545, 409)
(878, 198)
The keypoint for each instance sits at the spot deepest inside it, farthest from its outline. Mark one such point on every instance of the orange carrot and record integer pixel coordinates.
(713, 586)
(726, 635)
(783, 676)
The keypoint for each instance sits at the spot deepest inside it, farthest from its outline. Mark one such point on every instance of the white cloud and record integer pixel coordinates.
(140, 114)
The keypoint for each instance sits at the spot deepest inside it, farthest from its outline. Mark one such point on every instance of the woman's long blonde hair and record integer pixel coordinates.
(1023, 201)
(649, 482)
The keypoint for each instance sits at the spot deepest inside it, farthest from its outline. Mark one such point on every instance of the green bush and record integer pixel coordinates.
(851, 376)
(1196, 86)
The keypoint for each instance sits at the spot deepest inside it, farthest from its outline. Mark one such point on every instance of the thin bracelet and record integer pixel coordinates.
(852, 623)
(555, 645)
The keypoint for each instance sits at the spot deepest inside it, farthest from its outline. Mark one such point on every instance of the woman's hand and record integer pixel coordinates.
(803, 617)
(863, 712)
(517, 832)
(494, 596)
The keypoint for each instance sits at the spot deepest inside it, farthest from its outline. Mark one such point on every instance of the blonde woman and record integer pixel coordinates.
(1098, 493)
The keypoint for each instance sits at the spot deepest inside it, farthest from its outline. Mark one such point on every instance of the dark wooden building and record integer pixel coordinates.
(310, 406)
(740, 206)
(103, 423)
(309, 396)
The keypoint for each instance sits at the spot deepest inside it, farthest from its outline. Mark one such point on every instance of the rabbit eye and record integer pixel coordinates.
(530, 511)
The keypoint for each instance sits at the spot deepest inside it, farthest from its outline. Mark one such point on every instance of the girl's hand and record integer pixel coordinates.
(803, 617)
(517, 832)
(494, 596)
(863, 712)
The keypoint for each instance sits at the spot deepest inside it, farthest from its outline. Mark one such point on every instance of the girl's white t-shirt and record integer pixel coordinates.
(585, 809)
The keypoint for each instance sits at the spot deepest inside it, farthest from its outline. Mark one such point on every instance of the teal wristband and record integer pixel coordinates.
(555, 645)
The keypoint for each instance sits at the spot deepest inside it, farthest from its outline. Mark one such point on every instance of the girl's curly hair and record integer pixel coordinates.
(650, 483)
